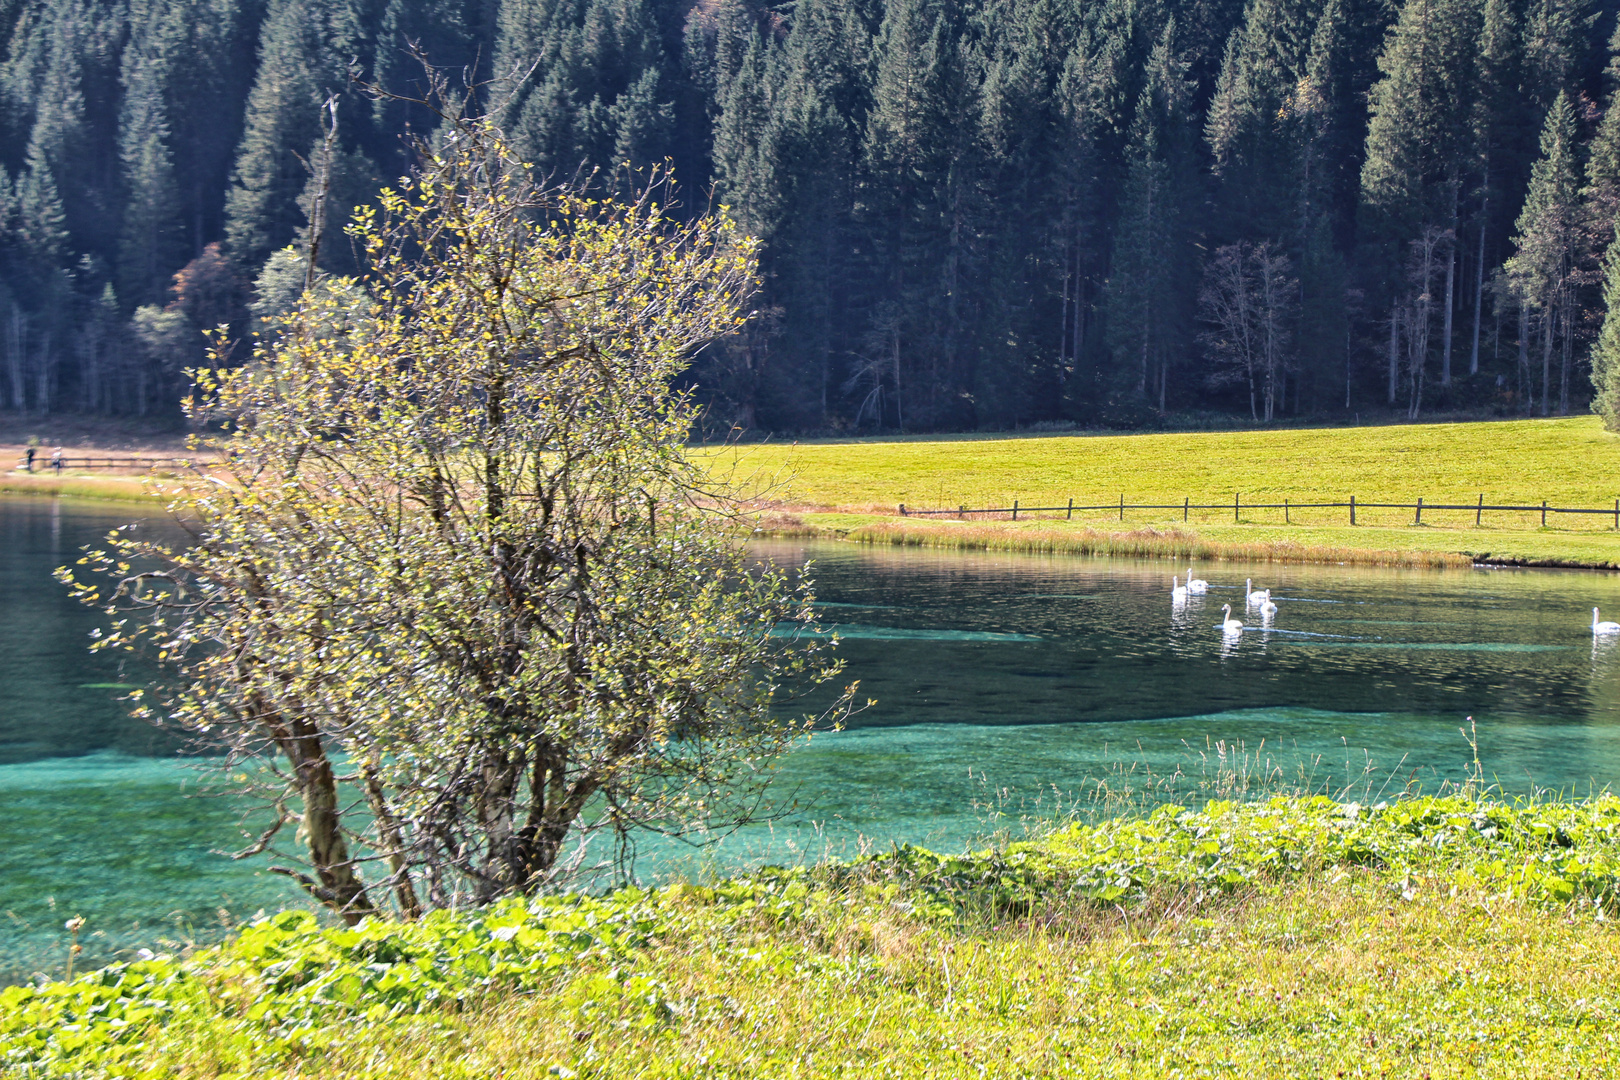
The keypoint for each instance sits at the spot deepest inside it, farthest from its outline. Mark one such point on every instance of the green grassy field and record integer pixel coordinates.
(1298, 937)
(839, 487)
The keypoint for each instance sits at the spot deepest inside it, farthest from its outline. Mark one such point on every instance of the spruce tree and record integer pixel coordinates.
(1547, 245)
(1418, 144)
(1149, 287)
(1606, 350)
(150, 245)
(304, 47)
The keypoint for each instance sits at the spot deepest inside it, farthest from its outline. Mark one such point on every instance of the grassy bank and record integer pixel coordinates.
(1299, 937)
(854, 488)
(118, 488)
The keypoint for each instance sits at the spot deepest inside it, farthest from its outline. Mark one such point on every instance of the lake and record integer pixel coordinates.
(1007, 688)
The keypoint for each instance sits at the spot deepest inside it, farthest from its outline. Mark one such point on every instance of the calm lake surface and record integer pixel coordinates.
(1006, 687)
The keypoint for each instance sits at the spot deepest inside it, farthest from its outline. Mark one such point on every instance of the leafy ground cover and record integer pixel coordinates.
(1295, 937)
(833, 488)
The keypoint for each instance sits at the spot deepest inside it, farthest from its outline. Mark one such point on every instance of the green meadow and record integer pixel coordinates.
(855, 488)
(1296, 937)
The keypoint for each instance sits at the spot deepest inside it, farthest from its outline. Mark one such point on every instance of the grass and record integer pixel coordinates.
(851, 490)
(837, 488)
(1455, 936)
(117, 488)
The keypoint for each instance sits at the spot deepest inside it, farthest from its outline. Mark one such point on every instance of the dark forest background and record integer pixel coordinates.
(980, 214)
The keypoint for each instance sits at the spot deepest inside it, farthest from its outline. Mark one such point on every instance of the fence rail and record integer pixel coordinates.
(46, 464)
(1287, 506)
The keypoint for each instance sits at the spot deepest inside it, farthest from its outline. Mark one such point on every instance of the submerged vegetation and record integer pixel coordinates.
(1446, 933)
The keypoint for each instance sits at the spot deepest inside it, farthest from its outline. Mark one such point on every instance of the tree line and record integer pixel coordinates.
(983, 214)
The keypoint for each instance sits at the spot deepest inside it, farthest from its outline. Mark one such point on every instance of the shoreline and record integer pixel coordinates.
(1145, 542)
(1150, 542)
(1408, 548)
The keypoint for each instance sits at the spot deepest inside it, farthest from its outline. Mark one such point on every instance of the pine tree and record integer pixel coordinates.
(42, 231)
(1556, 44)
(1606, 350)
(1418, 143)
(150, 244)
(814, 144)
(304, 46)
(1547, 246)
(190, 63)
(1250, 140)
(920, 177)
(1148, 287)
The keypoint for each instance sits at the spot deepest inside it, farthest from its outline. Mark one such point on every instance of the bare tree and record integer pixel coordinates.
(1251, 298)
(1416, 314)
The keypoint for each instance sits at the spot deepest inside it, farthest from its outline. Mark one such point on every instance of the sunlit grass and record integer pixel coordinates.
(1289, 937)
(118, 488)
(1341, 976)
(853, 487)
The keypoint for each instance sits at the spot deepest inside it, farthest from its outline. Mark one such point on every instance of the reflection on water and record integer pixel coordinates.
(1003, 684)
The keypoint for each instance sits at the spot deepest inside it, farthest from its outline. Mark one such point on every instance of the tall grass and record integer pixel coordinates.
(119, 488)
(1147, 542)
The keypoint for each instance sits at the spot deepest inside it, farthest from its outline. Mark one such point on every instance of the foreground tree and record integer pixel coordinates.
(457, 587)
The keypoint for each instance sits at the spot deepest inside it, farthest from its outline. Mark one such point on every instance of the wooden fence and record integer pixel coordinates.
(1237, 506)
(44, 463)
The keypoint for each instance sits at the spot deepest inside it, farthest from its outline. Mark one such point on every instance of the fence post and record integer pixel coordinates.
(1122, 506)
(961, 512)
(1186, 503)
(1352, 509)
(1419, 520)
(1235, 508)
(1481, 511)
(1617, 513)
(1543, 513)
(1286, 520)
(902, 509)
(1015, 509)
(1070, 515)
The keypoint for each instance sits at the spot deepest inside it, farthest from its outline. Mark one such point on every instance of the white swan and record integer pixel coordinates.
(1228, 624)
(1177, 592)
(1255, 596)
(1603, 627)
(1268, 609)
(1196, 586)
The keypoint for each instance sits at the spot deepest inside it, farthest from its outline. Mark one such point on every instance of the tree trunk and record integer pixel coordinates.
(338, 885)
(1564, 348)
(1451, 300)
(1394, 348)
(1479, 286)
(1347, 370)
(1524, 359)
(392, 843)
(1546, 363)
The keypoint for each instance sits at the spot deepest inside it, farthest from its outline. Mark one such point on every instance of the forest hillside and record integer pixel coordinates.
(982, 214)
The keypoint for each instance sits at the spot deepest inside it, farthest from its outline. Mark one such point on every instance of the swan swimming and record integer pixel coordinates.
(1268, 609)
(1196, 585)
(1177, 592)
(1255, 596)
(1228, 624)
(1603, 627)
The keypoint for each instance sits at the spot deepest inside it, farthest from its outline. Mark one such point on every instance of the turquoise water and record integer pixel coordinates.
(1005, 687)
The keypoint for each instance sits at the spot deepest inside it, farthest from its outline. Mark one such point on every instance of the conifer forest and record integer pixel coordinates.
(975, 214)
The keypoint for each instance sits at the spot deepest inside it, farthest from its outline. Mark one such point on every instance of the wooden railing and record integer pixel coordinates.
(1237, 506)
(43, 463)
